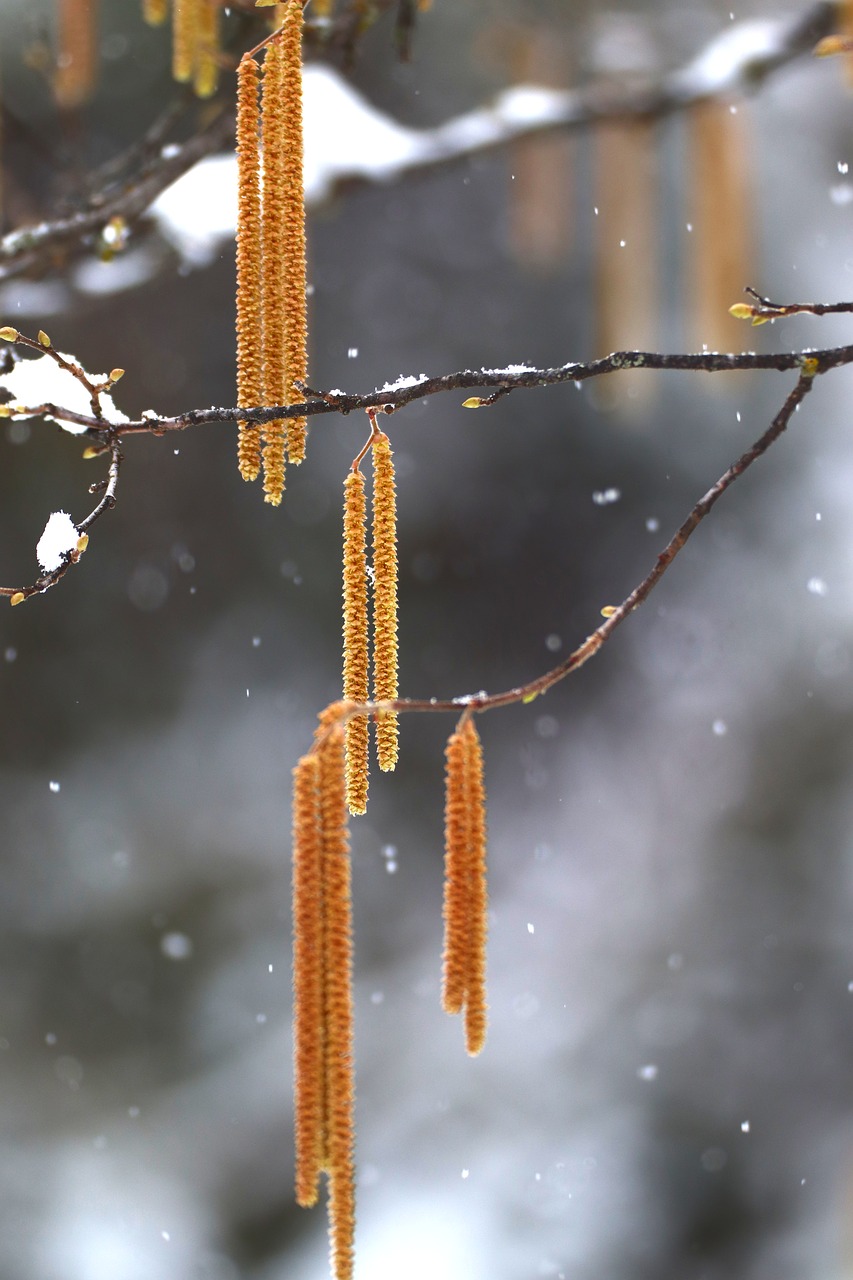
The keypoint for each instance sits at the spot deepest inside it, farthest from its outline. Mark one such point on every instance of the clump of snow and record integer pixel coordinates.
(60, 536)
(729, 57)
(404, 380)
(43, 381)
(199, 211)
(346, 134)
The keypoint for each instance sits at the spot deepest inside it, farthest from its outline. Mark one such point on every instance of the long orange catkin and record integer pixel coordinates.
(355, 629)
(478, 904)
(249, 323)
(273, 219)
(308, 980)
(456, 875)
(385, 681)
(294, 279)
(465, 885)
(338, 1004)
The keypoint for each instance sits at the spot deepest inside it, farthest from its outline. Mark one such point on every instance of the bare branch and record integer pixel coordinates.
(515, 377)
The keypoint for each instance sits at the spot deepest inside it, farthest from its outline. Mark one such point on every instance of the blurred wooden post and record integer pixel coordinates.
(626, 253)
(719, 244)
(540, 197)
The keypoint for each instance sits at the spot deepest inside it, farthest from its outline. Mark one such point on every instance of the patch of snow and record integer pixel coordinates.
(728, 58)
(199, 211)
(126, 271)
(42, 381)
(404, 380)
(60, 536)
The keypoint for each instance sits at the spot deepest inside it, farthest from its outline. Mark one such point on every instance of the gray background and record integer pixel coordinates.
(666, 1088)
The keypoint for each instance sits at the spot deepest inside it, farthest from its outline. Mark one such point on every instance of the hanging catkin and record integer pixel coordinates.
(465, 885)
(308, 992)
(338, 1005)
(456, 873)
(273, 218)
(206, 68)
(322, 980)
(293, 283)
(385, 686)
(185, 25)
(355, 638)
(249, 325)
(475, 998)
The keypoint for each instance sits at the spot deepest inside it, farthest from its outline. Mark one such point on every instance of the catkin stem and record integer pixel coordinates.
(385, 686)
(249, 323)
(355, 628)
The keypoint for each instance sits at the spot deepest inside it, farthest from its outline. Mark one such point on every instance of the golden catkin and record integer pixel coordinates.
(356, 660)
(249, 324)
(308, 984)
(465, 885)
(478, 902)
(455, 876)
(185, 23)
(155, 12)
(206, 69)
(77, 60)
(293, 283)
(273, 220)
(385, 686)
(338, 1003)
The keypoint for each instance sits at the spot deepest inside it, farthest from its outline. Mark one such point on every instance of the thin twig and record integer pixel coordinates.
(514, 378)
(768, 310)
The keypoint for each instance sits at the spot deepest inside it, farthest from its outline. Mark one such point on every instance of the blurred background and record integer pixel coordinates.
(667, 1087)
